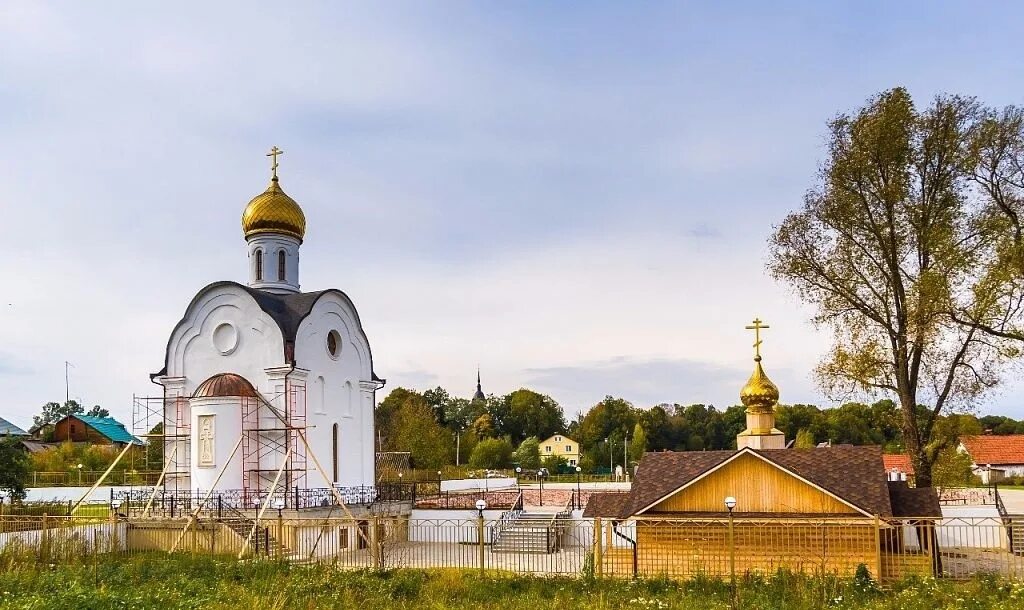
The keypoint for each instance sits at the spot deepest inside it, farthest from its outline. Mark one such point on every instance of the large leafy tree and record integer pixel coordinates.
(407, 423)
(910, 249)
(528, 413)
(13, 468)
(491, 453)
(527, 455)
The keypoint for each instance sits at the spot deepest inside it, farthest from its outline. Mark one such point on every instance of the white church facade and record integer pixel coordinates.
(264, 383)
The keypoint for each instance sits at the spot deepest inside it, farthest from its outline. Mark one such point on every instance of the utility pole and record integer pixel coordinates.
(67, 385)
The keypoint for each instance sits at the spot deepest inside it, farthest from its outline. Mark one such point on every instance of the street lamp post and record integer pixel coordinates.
(458, 440)
(481, 504)
(611, 462)
(730, 503)
(579, 503)
(540, 481)
(79, 474)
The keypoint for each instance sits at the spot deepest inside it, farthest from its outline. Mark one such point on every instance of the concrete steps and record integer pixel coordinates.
(1015, 529)
(263, 541)
(528, 533)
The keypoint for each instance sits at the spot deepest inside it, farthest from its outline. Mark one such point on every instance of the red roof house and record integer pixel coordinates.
(898, 463)
(995, 456)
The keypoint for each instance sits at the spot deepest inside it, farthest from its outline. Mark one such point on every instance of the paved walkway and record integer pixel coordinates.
(1013, 500)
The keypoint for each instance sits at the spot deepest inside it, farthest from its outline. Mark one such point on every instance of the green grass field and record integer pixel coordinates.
(184, 582)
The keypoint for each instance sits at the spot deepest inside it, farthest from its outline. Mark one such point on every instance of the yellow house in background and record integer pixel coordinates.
(561, 446)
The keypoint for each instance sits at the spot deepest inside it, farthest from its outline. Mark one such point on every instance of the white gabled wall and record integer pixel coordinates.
(348, 394)
(224, 331)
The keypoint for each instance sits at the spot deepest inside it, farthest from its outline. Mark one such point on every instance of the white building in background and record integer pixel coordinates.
(252, 370)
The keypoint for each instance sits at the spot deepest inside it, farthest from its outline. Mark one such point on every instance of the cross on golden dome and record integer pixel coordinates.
(274, 153)
(273, 211)
(756, 327)
(760, 394)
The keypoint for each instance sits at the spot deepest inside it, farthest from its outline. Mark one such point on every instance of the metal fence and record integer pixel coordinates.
(85, 478)
(890, 549)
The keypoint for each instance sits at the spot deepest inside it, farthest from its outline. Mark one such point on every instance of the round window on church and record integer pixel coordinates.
(333, 343)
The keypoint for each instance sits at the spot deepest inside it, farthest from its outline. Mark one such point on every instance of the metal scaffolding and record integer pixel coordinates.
(270, 436)
(271, 428)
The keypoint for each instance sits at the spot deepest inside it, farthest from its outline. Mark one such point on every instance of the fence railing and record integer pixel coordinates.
(173, 503)
(86, 478)
(968, 496)
(890, 549)
(505, 499)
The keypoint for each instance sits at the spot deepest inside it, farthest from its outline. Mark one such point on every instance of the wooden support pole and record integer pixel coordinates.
(159, 481)
(266, 504)
(206, 498)
(878, 550)
(330, 484)
(101, 479)
(598, 543)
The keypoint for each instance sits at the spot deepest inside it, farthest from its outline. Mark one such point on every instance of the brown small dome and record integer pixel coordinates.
(225, 384)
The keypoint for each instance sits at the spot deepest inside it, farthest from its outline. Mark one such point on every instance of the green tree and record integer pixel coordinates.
(555, 464)
(638, 444)
(953, 469)
(440, 403)
(155, 448)
(804, 440)
(527, 413)
(415, 430)
(911, 249)
(13, 469)
(386, 414)
(483, 427)
(491, 453)
(612, 418)
(528, 454)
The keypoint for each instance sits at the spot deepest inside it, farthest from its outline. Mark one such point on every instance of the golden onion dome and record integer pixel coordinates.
(760, 394)
(273, 211)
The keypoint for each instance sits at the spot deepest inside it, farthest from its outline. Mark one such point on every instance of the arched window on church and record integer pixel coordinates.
(259, 265)
(334, 451)
(280, 265)
(319, 396)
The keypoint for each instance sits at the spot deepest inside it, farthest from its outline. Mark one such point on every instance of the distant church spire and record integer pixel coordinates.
(479, 395)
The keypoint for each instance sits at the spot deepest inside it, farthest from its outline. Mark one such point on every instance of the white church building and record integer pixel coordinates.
(264, 382)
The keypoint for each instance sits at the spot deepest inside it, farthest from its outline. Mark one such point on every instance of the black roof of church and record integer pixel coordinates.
(288, 310)
(479, 394)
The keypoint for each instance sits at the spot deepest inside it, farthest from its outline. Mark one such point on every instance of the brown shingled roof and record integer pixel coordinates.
(606, 504)
(854, 474)
(659, 474)
(913, 501)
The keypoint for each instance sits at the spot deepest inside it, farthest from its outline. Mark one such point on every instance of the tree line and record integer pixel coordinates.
(503, 431)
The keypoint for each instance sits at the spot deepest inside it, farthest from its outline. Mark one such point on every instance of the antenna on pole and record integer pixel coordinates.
(67, 386)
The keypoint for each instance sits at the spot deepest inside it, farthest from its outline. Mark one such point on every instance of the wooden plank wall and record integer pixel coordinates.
(677, 550)
(758, 487)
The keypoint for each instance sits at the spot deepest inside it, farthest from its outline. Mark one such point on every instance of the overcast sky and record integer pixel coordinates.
(575, 196)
